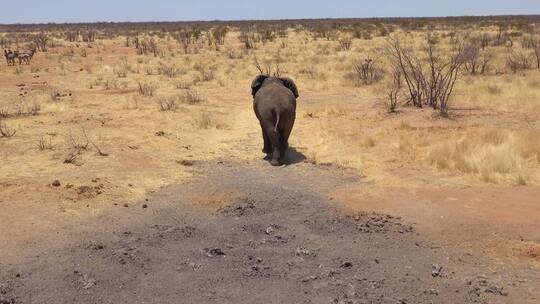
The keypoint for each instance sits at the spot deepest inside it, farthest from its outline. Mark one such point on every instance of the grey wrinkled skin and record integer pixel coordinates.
(274, 103)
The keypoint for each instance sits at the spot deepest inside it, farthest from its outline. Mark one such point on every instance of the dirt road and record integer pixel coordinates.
(244, 232)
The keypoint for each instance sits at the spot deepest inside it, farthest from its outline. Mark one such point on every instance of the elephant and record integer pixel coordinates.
(274, 103)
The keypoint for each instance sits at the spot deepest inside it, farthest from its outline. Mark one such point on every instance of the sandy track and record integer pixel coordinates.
(249, 233)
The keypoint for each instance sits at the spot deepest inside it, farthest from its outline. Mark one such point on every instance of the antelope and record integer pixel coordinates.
(11, 56)
(26, 56)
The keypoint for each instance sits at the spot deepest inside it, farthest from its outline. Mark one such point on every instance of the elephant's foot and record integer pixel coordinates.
(275, 162)
(267, 150)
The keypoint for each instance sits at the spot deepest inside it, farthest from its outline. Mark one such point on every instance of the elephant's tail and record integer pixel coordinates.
(277, 121)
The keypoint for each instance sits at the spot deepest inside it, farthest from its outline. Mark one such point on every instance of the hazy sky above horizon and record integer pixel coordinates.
(43, 11)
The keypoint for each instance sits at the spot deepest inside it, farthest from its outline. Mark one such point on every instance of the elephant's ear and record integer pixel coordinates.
(257, 84)
(289, 83)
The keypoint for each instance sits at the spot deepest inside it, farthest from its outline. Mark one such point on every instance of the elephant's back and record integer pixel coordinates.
(274, 94)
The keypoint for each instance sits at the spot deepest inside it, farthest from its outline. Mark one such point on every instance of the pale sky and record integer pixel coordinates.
(59, 11)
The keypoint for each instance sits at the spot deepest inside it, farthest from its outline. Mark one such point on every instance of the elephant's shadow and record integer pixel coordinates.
(292, 156)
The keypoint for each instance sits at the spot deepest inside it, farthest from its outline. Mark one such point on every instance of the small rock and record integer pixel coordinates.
(56, 183)
(213, 252)
(496, 290)
(194, 266)
(126, 205)
(346, 265)
(302, 251)
(145, 206)
(436, 271)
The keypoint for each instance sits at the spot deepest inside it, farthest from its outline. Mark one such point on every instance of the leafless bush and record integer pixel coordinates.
(183, 84)
(193, 96)
(4, 112)
(517, 60)
(345, 43)
(78, 142)
(44, 143)
(502, 37)
(5, 130)
(207, 75)
(429, 83)
(394, 91)
(72, 156)
(121, 71)
(477, 60)
(170, 71)
(147, 89)
(167, 103)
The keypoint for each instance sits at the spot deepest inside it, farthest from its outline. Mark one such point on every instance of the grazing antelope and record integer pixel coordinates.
(26, 56)
(11, 56)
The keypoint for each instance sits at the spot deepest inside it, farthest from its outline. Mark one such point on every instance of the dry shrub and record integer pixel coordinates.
(170, 71)
(192, 96)
(147, 89)
(394, 91)
(5, 130)
(429, 80)
(169, 103)
(45, 143)
(518, 60)
(495, 155)
(183, 84)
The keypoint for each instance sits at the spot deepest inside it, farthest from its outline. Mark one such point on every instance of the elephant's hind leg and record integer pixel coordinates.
(275, 141)
(267, 148)
(285, 130)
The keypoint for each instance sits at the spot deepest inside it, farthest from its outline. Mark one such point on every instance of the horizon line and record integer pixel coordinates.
(263, 20)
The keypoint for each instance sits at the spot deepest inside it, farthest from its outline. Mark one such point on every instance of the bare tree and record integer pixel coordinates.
(431, 83)
(517, 60)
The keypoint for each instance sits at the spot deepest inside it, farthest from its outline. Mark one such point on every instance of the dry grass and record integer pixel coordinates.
(200, 101)
(494, 155)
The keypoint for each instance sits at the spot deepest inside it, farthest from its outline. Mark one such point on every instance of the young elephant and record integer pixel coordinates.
(274, 103)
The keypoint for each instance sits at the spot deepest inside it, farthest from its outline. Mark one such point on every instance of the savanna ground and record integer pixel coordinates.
(135, 162)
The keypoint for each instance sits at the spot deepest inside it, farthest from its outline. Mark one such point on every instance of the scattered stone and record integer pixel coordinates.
(302, 251)
(159, 133)
(56, 183)
(346, 265)
(195, 266)
(436, 271)
(145, 206)
(496, 290)
(431, 292)
(310, 278)
(126, 205)
(214, 252)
